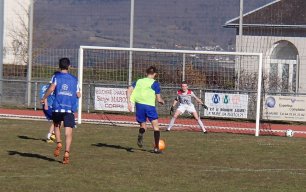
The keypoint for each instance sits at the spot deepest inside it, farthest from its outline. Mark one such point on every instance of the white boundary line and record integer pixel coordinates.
(135, 124)
(251, 170)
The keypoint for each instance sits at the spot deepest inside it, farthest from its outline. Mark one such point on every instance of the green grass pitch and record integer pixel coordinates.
(106, 158)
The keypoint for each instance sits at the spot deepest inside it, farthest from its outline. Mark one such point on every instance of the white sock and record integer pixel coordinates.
(49, 135)
(171, 123)
(201, 125)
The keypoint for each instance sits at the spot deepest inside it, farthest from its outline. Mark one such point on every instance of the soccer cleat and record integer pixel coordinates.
(66, 158)
(205, 132)
(157, 151)
(168, 130)
(58, 149)
(140, 140)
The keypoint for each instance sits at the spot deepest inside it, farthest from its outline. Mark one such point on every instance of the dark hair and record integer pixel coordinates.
(151, 70)
(184, 82)
(64, 63)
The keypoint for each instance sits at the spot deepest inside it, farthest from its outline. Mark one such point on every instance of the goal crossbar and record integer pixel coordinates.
(260, 68)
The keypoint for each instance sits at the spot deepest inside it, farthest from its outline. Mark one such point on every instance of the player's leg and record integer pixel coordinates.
(48, 115)
(156, 135)
(172, 121)
(57, 118)
(69, 124)
(197, 118)
(68, 136)
(141, 131)
(180, 110)
(141, 119)
(51, 135)
(153, 118)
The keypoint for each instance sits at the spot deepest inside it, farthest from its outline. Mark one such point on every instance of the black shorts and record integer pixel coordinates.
(68, 119)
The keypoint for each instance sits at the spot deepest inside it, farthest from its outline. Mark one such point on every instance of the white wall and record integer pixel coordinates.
(15, 12)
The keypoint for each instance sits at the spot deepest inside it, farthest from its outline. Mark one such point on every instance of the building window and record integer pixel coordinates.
(283, 74)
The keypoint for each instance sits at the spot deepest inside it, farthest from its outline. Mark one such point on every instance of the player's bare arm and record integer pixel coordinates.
(128, 95)
(48, 92)
(198, 100)
(79, 94)
(46, 104)
(173, 105)
(159, 99)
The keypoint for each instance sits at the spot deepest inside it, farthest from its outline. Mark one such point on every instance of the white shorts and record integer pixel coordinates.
(185, 107)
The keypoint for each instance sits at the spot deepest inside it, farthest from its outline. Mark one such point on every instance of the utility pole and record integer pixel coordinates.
(30, 47)
(238, 66)
(131, 42)
(1, 47)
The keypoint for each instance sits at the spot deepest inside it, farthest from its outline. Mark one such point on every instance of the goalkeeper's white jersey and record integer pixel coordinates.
(185, 97)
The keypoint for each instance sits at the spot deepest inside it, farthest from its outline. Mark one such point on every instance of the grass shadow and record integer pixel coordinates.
(29, 138)
(128, 149)
(33, 155)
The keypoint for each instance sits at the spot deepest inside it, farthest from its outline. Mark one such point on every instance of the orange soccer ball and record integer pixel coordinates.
(161, 145)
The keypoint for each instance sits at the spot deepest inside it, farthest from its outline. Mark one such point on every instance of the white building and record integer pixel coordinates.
(15, 34)
(278, 30)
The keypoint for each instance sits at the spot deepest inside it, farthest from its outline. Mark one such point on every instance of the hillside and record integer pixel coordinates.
(158, 23)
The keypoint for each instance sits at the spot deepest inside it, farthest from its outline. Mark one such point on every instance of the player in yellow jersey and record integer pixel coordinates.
(143, 93)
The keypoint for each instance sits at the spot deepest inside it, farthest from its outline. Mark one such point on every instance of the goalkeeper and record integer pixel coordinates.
(184, 96)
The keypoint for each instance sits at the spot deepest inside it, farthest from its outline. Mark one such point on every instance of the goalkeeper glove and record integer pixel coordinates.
(205, 107)
(171, 110)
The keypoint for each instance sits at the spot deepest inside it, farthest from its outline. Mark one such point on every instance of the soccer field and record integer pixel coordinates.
(106, 158)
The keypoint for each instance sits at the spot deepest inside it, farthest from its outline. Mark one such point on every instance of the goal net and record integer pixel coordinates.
(228, 82)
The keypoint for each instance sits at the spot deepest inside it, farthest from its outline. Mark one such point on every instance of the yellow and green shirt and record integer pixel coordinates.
(145, 91)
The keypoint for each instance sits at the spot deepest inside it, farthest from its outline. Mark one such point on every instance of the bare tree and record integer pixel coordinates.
(19, 33)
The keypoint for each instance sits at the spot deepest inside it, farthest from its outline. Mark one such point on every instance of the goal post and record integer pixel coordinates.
(110, 66)
(80, 79)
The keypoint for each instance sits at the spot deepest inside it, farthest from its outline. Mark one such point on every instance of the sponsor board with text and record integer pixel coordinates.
(286, 108)
(226, 105)
(110, 99)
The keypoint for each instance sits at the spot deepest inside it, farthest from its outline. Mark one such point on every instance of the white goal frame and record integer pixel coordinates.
(259, 83)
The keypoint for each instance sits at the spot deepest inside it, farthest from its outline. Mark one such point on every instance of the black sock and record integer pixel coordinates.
(142, 130)
(156, 138)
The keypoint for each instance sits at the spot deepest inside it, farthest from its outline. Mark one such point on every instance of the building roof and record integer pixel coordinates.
(278, 14)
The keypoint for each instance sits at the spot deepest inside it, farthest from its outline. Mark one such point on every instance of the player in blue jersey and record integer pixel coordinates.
(47, 109)
(66, 93)
(143, 94)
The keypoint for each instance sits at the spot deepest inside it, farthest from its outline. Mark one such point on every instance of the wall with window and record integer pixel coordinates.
(284, 60)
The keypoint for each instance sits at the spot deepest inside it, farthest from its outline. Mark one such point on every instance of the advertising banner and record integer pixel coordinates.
(226, 105)
(286, 108)
(110, 99)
